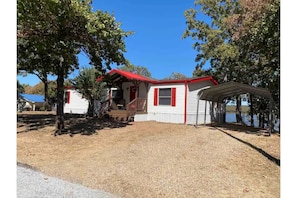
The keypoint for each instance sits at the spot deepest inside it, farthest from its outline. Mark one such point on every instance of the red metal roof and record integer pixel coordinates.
(133, 76)
(129, 75)
(189, 80)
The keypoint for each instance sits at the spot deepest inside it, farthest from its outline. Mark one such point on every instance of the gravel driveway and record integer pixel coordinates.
(34, 184)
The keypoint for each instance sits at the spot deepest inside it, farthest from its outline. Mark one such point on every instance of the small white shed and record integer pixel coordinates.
(74, 102)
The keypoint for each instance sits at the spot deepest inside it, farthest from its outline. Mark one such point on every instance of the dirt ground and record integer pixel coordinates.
(152, 159)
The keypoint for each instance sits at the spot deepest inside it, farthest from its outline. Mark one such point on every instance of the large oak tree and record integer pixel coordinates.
(51, 33)
(241, 42)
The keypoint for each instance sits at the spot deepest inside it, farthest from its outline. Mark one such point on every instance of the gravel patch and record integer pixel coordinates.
(31, 184)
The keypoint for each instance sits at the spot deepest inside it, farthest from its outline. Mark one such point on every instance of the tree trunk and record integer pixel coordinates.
(238, 109)
(251, 110)
(91, 108)
(60, 103)
(261, 120)
(224, 112)
(47, 103)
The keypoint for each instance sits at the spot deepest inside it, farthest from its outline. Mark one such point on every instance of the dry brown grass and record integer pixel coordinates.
(151, 159)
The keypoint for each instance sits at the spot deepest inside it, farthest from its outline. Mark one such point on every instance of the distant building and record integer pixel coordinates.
(30, 102)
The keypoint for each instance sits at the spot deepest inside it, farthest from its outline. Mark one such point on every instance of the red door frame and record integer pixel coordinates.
(132, 93)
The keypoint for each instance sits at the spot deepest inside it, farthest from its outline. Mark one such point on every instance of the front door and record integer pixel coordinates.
(132, 92)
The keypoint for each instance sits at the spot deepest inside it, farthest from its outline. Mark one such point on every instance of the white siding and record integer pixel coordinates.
(77, 105)
(193, 89)
(140, 117)
(167, 113)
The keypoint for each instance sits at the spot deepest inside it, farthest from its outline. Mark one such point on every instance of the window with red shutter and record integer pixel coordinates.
(165, 96)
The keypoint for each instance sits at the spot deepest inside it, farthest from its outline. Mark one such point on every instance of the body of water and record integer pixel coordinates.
(231, 117)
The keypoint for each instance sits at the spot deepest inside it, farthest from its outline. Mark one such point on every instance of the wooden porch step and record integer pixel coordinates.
(121, 115)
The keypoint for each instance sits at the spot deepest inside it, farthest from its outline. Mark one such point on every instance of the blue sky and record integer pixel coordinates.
(156, 43)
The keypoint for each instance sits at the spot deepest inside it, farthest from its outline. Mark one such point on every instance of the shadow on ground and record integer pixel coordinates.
(249, 130)
(74, 123)
(243, 129)
(89, 126)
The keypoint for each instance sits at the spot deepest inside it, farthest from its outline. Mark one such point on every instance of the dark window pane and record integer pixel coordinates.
(165, 92)
(164, 101)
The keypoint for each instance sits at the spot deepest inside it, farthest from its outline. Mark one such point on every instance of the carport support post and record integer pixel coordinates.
(197, 113)
(205, 112)
(220, 112)
(270, 118)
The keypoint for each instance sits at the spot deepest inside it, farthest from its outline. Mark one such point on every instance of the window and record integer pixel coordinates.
(117, 93)
(164, 96)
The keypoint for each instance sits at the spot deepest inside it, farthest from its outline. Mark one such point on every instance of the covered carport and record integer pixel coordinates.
(218, 93)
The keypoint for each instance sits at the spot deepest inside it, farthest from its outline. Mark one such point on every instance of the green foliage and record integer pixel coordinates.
(199, 72)
(56, 31)
(20, 88)
(86, 84)
(176, 76)
(51, 33)
(242, 42)
(140, 70)
(36, 89)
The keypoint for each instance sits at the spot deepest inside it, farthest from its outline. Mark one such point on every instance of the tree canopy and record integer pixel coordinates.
(140, 70)
(241, 43)
(51, 33)
(176, 76)
(86, 84)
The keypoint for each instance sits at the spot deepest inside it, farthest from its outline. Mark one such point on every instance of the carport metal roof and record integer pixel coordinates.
(218, 93)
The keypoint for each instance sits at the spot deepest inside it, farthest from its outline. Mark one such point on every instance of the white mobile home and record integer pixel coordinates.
(173, 101)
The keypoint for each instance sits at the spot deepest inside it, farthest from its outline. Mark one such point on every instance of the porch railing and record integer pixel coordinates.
(137, 105)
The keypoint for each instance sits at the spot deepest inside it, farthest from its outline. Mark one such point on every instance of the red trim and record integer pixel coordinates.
(193, 80)
(204, 79)
(173, 97)
(186, 98)
(156, 96)
(68, 97)
(100, 78)
(133, 76)
(69, 87)
(129, 75)
(160, 82)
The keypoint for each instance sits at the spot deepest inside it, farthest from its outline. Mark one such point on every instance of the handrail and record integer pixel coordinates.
(138, 104)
